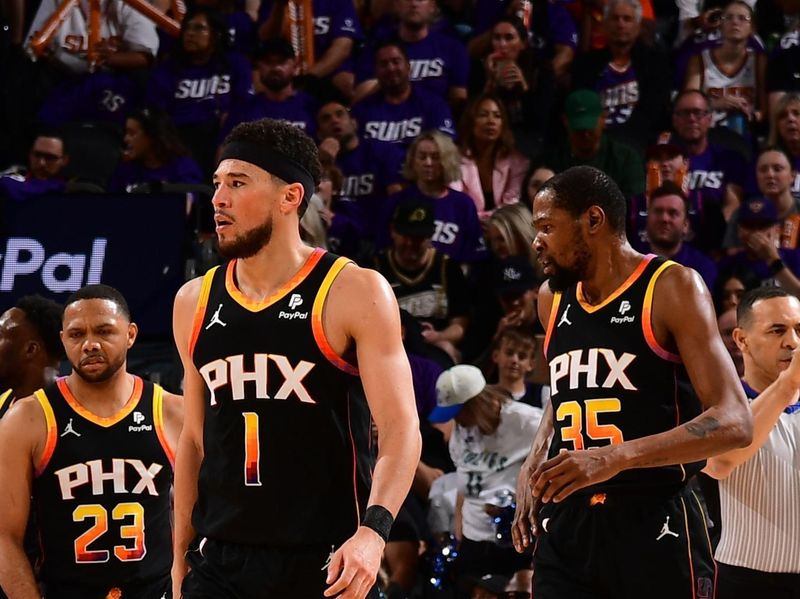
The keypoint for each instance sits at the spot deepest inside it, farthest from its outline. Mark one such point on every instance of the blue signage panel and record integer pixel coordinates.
(53, 245)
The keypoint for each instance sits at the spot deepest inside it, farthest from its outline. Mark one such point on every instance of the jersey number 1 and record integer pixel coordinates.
(595, 431)
(252, 450)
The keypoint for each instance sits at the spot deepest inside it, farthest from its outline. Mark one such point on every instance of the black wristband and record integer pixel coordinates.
(379, 519)
(776, 266)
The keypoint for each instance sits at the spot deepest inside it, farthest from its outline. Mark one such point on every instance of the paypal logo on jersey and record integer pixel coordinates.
(295, 301)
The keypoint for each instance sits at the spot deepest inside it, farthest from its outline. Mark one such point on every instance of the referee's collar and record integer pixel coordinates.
(752, 394)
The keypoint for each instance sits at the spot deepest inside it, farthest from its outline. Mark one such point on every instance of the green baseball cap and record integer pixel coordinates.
(583, 108)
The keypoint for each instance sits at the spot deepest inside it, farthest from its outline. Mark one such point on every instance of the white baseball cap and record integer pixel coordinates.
(455, 387)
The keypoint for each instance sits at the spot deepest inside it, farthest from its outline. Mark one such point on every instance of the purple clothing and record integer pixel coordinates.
(299, 110)
(715, 168)
(199, 93)
(346, 229)
(132, 173)
(242, 32)
(438, 63)
(332, 19)
(458, 231)
(102, 96)
(18, 188)
(761, 269)
(424, 373)
(399, 124)
(368, 170)
(619, 93)
(693, 258)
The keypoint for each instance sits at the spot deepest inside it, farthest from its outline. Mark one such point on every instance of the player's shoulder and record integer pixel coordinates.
(173, 407)
(189, 292)
(676, 279)
(25, 418)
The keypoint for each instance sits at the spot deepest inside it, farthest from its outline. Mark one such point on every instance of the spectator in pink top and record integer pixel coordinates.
(491, 169)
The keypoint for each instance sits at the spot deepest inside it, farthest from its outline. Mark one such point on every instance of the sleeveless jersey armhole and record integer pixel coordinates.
(551, 323)
(158, 419)
(52, 433)
(200, 310)
(317, 327)
(647, 314)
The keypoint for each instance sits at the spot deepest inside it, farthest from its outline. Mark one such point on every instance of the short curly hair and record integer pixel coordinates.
(281, 137)
(45, 316)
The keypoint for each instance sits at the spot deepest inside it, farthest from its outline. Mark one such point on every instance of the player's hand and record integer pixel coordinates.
(354, 566)
(179, 571)
(570, 471)
(524, 526)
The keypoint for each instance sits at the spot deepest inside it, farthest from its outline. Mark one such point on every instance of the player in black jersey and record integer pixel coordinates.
(94, 451)
(626, 335)
(271, 474)
(30, 348)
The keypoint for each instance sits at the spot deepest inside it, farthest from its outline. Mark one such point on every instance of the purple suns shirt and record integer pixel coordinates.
(199, 93)
(401, 123)
(619, 93)
(299, 110)
(438, 62)
(458, 231)
(715, 168)
(102, 96)
(332, 19)
(368, 170)
(131, 173)
(18, 187)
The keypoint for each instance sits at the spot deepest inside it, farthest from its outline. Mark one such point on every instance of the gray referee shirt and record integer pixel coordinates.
(760, 505)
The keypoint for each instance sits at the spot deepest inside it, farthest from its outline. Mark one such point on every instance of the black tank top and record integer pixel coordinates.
(610, 381)
(102, 491)
(286, 426)
(6, 399)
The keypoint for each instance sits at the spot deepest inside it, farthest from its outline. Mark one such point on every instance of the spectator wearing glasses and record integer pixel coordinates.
(46, 161)
(732, 75)
(716, 171)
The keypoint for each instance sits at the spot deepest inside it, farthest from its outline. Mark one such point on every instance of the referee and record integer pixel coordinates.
(759, 552)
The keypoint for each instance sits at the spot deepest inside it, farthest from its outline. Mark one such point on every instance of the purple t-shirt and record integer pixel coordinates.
(346, 229)
(424, 373)
(619, 93)
(131, 173)
(693, 258)
(299, 110)
(761, 269)
(401, 123)
(242, 31)
(715, 168)
(199, 93)
(368, 170)
(332, 19)
(438, 62)
(18, 188)
(458, 230)
(103, 96)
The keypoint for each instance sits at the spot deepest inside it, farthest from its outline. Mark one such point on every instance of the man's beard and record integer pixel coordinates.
(247, 244)
(102, 376)
(276, 83)
(563, 278)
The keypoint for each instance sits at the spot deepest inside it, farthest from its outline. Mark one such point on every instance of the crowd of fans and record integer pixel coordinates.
(436, 124)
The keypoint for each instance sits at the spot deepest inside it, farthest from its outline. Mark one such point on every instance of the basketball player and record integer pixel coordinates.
(623, 331)
(270, 473)
(94, 451)
(30, 348)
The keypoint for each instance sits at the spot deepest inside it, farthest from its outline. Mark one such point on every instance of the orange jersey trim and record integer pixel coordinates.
(647, 313)
(257, 306)
(637, 272)
(551, 322)
(104, 421)
(158, 419)
(316, 319)
(52, 433)
(200, 310)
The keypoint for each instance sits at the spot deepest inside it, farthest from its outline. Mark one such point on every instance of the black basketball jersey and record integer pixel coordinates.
(610, 380)
(286, 426)
(423, 294)
(6, 399)
(102, 491)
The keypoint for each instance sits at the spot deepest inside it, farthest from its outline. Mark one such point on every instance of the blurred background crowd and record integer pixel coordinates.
(437, 121)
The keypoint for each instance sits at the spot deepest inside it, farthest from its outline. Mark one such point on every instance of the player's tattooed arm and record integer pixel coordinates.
(702, 427)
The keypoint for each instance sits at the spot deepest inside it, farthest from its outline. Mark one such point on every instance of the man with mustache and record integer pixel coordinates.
(626, 335)
(92, 455)
(758, 553)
